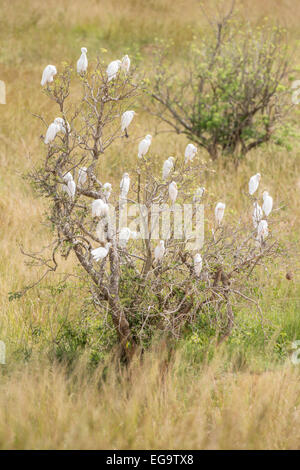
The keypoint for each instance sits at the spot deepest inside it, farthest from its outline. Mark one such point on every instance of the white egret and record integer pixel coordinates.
(190, 152)
(257, 214)
(70, 187)
(198, 194)
(68, 177)
(168, 166)
(48, 74)
(99, 208)
(197, 264)
(173, 191)
(113, 69)
(101, 252)
(107, 190)
(52, 130)
(262, 230)
(126, 120)
(126, 63)
(82, 62)
(62, 124)
(268, 203)
(219, 212)
(82, 176)
(254, 183)
(159, 251)
(125, 185)
(144, 145)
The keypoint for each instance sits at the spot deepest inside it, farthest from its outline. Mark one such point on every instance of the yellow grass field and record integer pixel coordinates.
(248, 395)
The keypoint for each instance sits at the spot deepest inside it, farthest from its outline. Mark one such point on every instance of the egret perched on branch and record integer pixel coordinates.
(101, 252)
(52, 130)
(219, 212)
(144, 145)
(107, 190)
(82, 176)
(124, 235)
(198, 194)
(113, 69)
(99, 208)
(190, 152)
(125, 185)
(62, 124)
(159, 251)
(126, 63)
(257, 214)
(48, 74)
(70, 186)
(254, 183)
(68, 177)
(82, 62)
(267, 204)
(168, 166)
(262, 230)
(173, 191)
(126, 120)
(197, 264)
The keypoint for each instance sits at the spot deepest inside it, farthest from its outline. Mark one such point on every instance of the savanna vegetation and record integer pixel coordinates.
(64, 384)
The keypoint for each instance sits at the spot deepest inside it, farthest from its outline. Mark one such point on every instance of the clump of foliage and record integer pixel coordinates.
(231, 93)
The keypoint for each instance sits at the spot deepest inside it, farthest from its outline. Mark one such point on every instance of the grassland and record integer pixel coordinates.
(247, 396)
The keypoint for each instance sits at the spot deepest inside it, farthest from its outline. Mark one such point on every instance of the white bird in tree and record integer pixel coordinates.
(268, 203)
(113, 69)
(107, 190)
(126, 120)
(99, 208)
(126, 63)
(144, 145)
(101, 252)
(48, 74)
(173, 191)
(168, 166)
(254, 183)
(51, 133)
(68, 177)
(82, 62)
(159, 251)
(257, 214)
(262, 230)
(190, 152)
(125, 185)
(70, 186)
(197, 264)
(124, 236)
(219, 212)
(82, 176)
(62, 124)
(198, 194)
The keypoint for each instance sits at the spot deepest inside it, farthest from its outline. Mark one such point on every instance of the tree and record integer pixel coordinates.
(138, 294)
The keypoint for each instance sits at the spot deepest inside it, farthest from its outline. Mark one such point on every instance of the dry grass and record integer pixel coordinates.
(43, 407)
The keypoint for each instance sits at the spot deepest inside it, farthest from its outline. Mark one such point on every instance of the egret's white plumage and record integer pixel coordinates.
(126, 119)
(262, 230)
(48, 74)
(99, 208)
(257, 214)
(159, 251)
(126, 63)
(62, 124)
(144, 145)
(198, 194)
(68, 177)
(101, 252)
(219, 212)
(52, 130)
(268, 203)
(70, 187)
(197, 264)
(82, 62)
(190, 152)
(254, 183)
(107, 190)
(173, 191)
(82, 176)
(168, 167)
(125, 185)
(113, 69)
